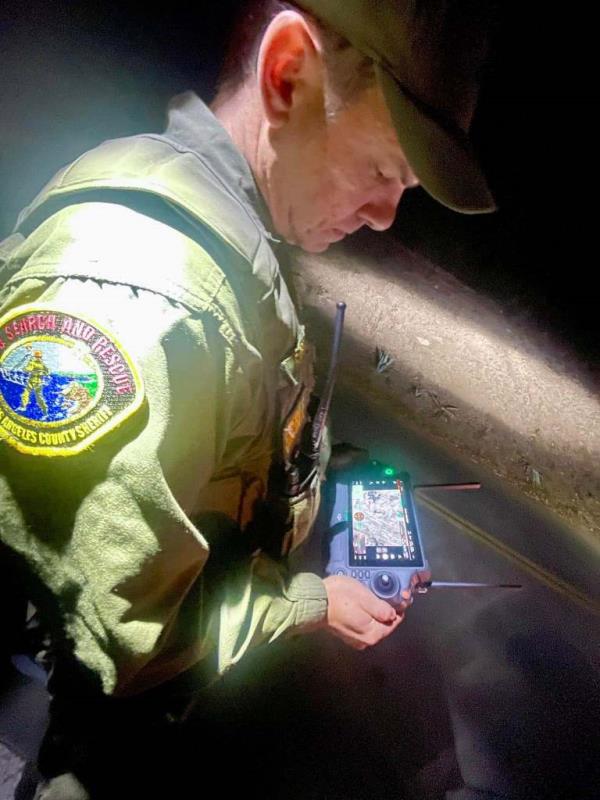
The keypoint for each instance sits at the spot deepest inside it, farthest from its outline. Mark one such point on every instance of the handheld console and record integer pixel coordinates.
(374, 532)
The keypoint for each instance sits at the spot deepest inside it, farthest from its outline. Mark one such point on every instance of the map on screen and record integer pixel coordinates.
(380, 530)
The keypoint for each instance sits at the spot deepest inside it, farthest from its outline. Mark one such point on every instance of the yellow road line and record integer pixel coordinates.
(542, 574)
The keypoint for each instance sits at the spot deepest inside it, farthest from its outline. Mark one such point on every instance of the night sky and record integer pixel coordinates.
(75, 74)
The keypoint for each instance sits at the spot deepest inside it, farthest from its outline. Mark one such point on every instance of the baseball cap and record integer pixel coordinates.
(426, 56)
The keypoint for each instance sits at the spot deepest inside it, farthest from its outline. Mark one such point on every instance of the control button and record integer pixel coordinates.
(385, 584)
(354, 573)
(341, 572)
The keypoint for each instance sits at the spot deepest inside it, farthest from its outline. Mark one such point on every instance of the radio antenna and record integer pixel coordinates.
(448, 487)
(323, 409)
(465, 585)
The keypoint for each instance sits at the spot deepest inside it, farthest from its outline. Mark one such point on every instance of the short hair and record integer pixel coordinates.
(348, 72)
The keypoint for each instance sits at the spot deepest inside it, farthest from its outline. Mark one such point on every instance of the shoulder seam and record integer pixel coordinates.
(208, 305)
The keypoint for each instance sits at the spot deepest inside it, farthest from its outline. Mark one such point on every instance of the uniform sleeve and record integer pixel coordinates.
(262, 603)
(109, 530)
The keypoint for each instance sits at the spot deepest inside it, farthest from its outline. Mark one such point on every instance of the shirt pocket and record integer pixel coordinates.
(303, 510)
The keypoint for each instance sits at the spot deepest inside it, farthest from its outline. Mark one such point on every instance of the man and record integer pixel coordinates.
(156, 524)
(37, 372)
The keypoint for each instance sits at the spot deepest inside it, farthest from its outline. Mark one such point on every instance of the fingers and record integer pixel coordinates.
(378, 631)
(382, 612)
(379, 609)
(357, 616)
(407, 598)
(372, 632)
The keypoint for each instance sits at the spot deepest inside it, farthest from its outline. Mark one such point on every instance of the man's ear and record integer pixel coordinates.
(289, 68)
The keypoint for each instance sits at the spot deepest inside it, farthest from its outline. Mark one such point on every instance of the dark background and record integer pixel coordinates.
(73, 74)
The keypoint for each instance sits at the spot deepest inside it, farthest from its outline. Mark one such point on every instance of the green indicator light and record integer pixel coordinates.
(389, 471)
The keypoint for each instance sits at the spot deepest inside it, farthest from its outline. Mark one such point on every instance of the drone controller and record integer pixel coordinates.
(374, 536)
(373, 533)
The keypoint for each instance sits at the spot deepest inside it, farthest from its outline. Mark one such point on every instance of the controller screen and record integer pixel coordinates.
(383, 528)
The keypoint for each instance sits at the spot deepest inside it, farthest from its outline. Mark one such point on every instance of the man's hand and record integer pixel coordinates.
(357, 616)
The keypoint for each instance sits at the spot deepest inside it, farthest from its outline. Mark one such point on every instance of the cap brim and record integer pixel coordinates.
(444, 164)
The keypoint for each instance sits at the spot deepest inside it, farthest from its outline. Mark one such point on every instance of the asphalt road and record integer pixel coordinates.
(494, 690)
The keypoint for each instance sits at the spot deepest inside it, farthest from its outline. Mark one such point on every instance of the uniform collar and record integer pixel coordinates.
(193, 124)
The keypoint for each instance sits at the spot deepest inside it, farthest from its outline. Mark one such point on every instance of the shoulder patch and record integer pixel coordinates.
(65, 381)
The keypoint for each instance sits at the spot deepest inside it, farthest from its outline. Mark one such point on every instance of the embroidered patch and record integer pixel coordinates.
(294, 425)
(64, 382)
(295, 399)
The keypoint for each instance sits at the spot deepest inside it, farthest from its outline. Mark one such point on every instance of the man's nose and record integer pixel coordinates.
(379, 211)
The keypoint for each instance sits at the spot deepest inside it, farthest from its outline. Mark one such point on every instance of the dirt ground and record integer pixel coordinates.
(483, 379)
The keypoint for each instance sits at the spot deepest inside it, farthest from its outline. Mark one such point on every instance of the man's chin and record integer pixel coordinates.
(318, 243)
(315, 247)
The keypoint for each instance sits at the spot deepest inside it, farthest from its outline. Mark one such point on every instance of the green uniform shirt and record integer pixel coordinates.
(147, 282)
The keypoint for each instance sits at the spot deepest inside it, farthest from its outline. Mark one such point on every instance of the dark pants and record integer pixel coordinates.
(98, 747)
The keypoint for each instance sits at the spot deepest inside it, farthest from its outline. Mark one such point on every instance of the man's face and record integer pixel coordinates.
(332, 175)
